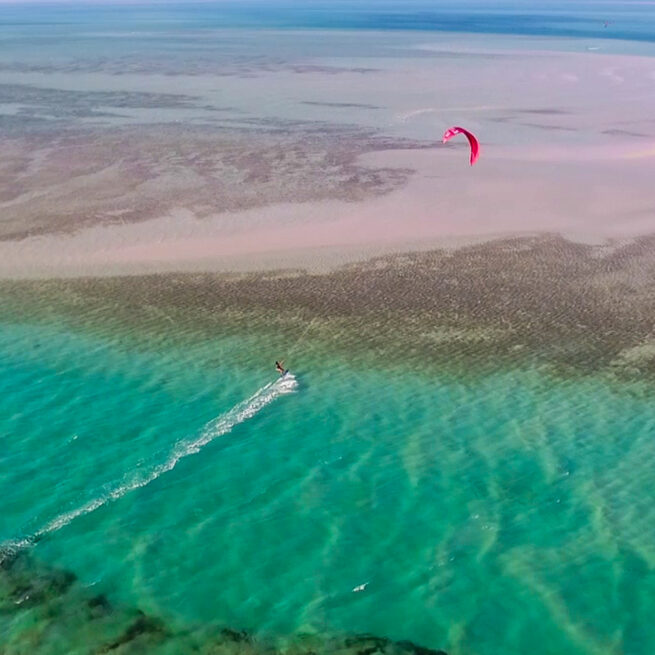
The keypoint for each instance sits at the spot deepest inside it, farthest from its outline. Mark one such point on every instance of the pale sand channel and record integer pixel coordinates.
(340, 163)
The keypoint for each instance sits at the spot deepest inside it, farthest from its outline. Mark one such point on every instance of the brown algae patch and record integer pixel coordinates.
(572, 307)
(158, 169)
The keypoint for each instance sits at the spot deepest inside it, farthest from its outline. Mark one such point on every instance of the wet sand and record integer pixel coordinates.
(106, 173)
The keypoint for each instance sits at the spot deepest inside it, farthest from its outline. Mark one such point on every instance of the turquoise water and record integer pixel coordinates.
(512, 513)
(508, 513)
(170, 37)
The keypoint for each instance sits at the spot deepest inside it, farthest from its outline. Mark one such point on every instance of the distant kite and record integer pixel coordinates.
(475, 146)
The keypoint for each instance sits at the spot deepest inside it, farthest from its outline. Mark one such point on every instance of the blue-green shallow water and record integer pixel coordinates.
(511, 513)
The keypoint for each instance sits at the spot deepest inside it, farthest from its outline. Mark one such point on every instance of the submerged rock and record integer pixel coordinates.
(22, 585)
(44, 610)
(148, 630)
(364, 644)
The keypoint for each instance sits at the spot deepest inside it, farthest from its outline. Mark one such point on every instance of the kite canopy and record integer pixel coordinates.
(475, 146)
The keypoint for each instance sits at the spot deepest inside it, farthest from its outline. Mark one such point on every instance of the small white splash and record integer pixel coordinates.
(360, 587)
(327, 462)
(11, 548)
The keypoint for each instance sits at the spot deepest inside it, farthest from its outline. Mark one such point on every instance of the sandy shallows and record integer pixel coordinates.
(66, 182)
(573, 307)
(106, 174)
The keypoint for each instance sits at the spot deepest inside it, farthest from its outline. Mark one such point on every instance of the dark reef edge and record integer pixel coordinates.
(58, 605)
(569, 308)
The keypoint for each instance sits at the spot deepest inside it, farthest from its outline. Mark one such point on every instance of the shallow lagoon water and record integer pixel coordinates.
(511, 511)
(505, 511)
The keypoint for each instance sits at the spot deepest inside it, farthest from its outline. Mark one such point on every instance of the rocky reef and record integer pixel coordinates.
(46, 611)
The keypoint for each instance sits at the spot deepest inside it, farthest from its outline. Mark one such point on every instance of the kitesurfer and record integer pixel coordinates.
(279, 367)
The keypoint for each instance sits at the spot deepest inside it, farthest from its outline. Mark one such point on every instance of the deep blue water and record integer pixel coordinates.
(612, 20)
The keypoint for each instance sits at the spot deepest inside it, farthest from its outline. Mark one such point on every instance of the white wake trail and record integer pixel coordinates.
(214, 429)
